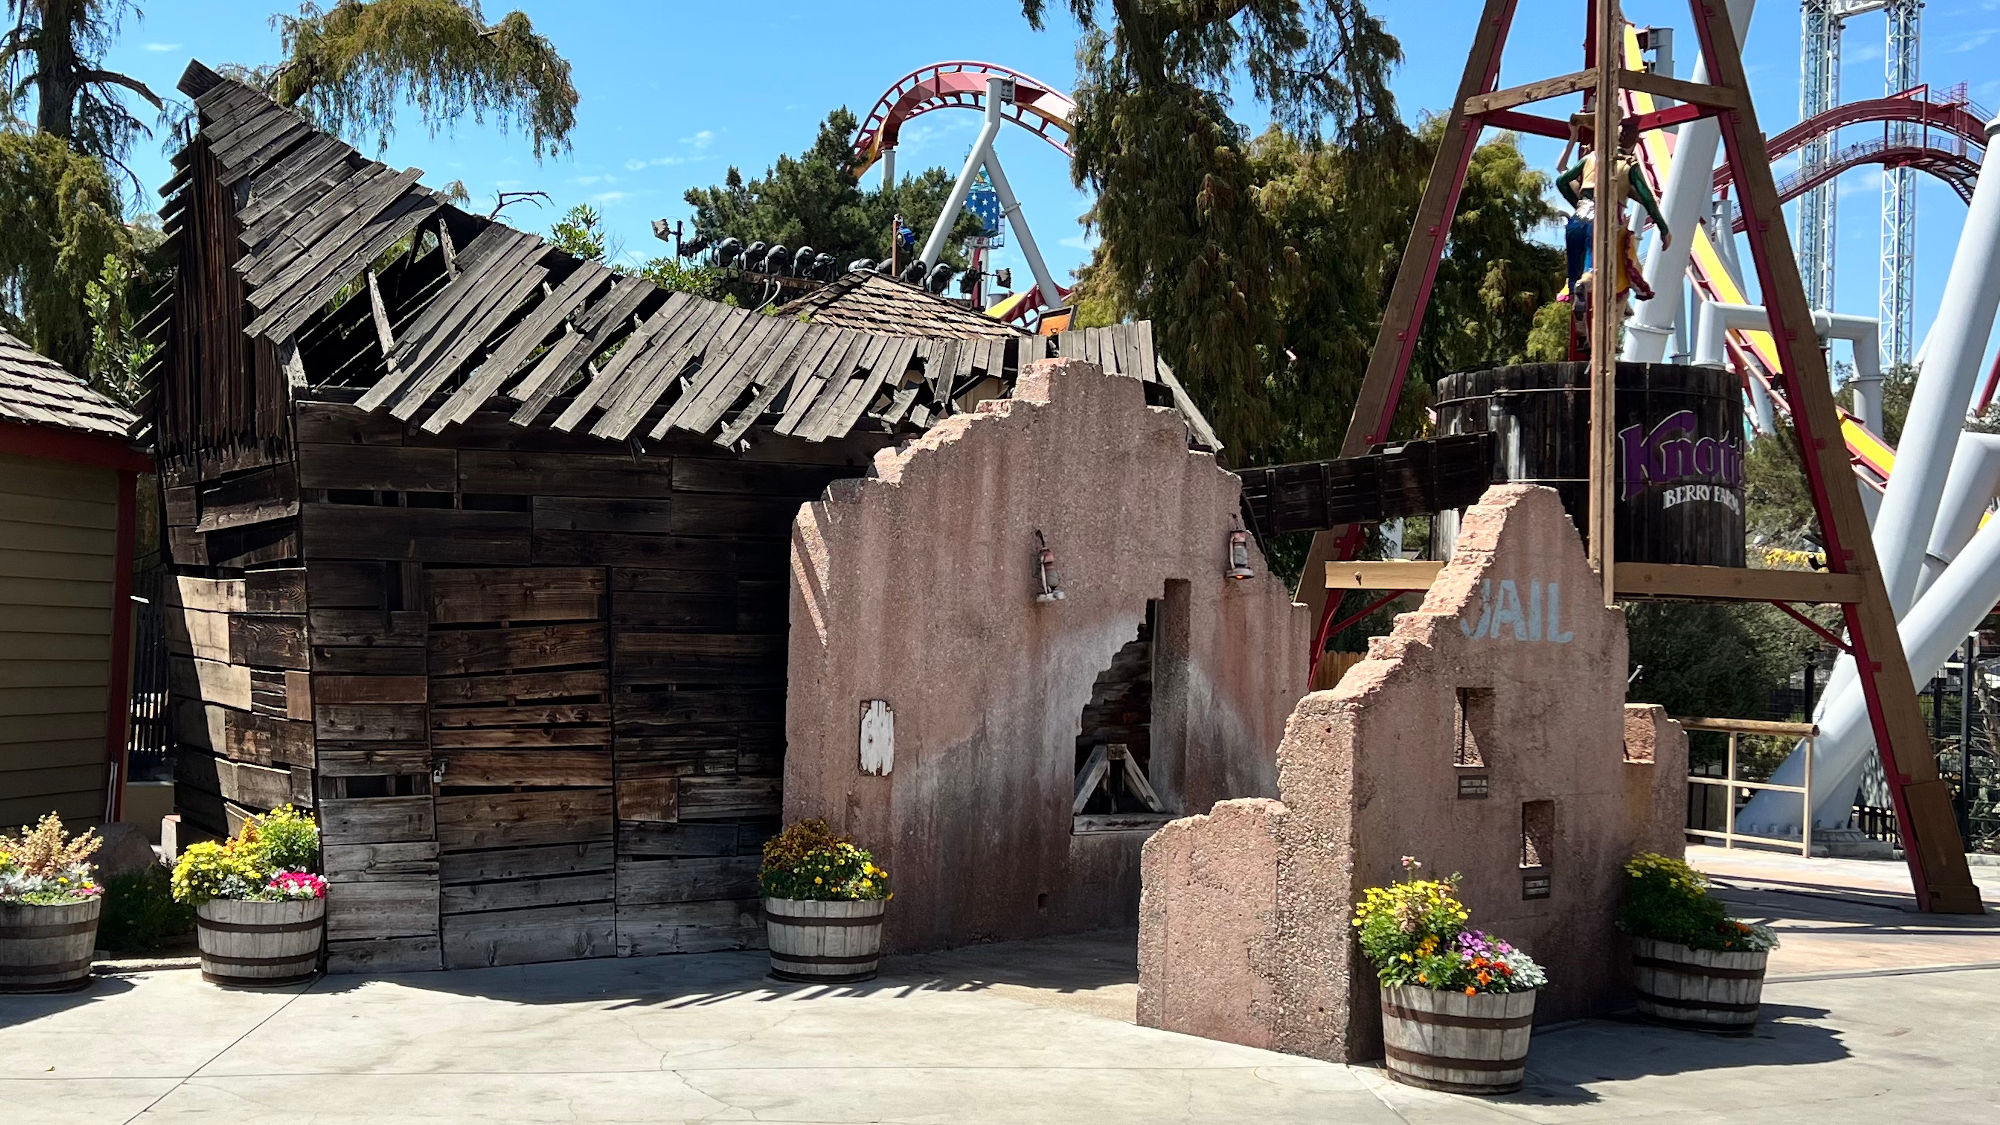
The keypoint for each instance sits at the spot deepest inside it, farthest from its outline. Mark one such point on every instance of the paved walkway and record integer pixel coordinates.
(1035, 1032)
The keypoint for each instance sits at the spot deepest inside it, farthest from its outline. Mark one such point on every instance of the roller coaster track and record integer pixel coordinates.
(1039, 108)
(1953, 136)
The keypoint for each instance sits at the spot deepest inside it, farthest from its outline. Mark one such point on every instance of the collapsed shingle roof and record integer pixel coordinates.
(478, 309)
(870, 302)
(40, 392)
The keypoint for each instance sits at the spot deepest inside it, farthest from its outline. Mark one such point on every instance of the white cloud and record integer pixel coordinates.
(163, 47)
(608, 197)
(700, 141)
(1972, 42)
(697, 146)
(596, 178)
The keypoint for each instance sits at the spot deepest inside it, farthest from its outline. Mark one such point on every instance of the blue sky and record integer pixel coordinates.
(674, 93)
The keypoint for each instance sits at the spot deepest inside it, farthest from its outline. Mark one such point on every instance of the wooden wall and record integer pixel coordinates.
(58, 536)
(548, 677)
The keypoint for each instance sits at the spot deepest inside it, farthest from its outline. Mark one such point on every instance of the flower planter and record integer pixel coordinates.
(1698, 988)
(1457, 1043)
(824, 942)
(47, 948)
(260, 944)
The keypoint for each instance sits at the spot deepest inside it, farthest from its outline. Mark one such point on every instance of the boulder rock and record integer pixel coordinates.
(124, 851)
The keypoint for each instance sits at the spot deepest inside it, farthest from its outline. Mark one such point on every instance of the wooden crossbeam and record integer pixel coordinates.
(1530, 92)
(1638, 582)
(1681, 90)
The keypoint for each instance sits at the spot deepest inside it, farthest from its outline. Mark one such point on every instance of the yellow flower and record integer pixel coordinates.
(816, 879)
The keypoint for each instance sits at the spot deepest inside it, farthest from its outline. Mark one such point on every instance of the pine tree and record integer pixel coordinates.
(51, 55)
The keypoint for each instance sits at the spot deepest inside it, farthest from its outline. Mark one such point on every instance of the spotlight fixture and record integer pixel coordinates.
(940, 277)
(861, 265)
(1048, 586)
(1004, 278)
(753, 255)
(1239, 555)
(968, 282)
(914, 273)
(822, 267)
(727, 251)
(802, 260)
(777, 258)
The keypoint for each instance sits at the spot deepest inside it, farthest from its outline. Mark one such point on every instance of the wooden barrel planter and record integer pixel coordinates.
(1698, 988)
(824, 942)
(259, 944)
(1457, 1043)
(47, 948)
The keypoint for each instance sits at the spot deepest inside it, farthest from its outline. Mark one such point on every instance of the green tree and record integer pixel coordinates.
(1184, 242)
(51, 54)
(580, 232)
(813, 200)
(351, 65)
(59, 222)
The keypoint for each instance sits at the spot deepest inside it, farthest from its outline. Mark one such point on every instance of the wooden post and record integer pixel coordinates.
(1607, 231)
(1396, 339)
(1924, 817)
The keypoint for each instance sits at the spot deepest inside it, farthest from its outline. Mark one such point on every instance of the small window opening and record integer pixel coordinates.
(1538, 832)
(1472, 720)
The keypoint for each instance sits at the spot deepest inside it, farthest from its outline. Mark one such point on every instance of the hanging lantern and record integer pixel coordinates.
(1239, 555)
(1049, 587)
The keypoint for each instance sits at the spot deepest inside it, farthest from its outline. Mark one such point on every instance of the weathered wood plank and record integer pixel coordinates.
(563, 474)
(376, 820)
(643, 882)
(361, 863)
(518, 595)
(346, 585)
(718, 798)
(244, 736)
(370, 722)
(275, 590)
(339, 760)
(516, 937)
(587, 683)
(649, 799)
(565, 816)
(694, 927)
(384, 908)
(369, 689)
(529, 767)
(384, 955)
(390, 629)
(547, 890)
(274, 640)
(506, 650)
(210, 681)
(526, 863)
(360, 531)
(568, 513)
(383, 468)
(646, 839)
(209, 595)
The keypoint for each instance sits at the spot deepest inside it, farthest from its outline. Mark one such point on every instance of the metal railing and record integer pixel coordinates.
(1736, 729)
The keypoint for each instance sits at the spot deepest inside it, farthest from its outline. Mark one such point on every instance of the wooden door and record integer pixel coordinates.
(520, 736)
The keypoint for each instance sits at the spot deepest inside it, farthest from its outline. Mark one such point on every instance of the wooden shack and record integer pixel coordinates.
(482, 549)
(68, 472)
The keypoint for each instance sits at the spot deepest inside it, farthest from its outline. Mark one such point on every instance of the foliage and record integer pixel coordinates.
(118, 353)
(1898, 384)
(351, 65)
(283, 839)
(809, 862)
(1702, 658)
(46, 866)
(1667, 900)
(140, 914)
(580, 233)
(254, 863)
(1264, 264)
(679, 276)
(814, 200)
(52, 54)
(59, 221)
(1413, 932)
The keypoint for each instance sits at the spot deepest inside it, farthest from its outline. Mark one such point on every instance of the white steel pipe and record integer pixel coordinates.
(1865, 332)
(1969, 490)
(1953, 606)
(982, 148)
(1024, 239)
(1684, 201)
(1938, 404)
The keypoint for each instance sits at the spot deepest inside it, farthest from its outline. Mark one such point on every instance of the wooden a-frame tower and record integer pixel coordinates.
(1922, 802)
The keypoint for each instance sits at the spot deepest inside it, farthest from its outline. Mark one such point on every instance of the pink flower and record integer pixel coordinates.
(298, 884)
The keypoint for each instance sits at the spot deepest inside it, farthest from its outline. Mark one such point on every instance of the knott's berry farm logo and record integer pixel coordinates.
(1671, 453)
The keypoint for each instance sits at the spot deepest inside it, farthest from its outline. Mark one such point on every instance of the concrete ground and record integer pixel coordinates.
(1873, 1014)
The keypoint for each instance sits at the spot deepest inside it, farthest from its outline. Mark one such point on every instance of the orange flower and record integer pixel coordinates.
(1471, 991)
(1485, 977)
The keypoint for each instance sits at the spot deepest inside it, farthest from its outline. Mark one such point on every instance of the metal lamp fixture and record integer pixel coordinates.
(1048, 586)
(1239, 555)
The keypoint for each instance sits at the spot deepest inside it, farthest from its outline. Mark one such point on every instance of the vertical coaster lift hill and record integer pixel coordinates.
(1931, 842)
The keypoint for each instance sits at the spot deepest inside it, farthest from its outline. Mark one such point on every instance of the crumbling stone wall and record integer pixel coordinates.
(916, 588)
(1487, 734)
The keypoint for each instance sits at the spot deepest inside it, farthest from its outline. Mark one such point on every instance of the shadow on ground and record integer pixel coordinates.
(1073, 965)
(1564, 1062)
(20, 1008)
